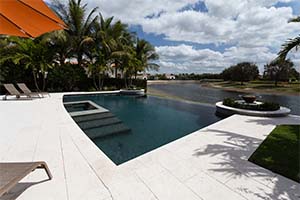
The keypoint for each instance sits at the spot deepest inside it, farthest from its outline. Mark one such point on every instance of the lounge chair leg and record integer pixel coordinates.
(45, 167)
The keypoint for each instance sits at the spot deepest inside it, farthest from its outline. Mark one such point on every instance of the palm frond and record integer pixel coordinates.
(153, 66)
(288, 46)
(297, 19)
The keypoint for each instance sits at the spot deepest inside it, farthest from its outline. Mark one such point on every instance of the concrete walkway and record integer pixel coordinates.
(208, 164)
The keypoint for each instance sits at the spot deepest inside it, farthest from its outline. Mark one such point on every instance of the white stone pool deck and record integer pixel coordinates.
(208, 164)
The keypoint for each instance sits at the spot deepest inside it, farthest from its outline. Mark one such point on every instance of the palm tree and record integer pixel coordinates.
(103, 35)
(121, 45)
(289, 44)
(100, 53)
(144, 53)
(80, 26)
(60, 42)
(3, 52)
(277, 71)
(34, 55)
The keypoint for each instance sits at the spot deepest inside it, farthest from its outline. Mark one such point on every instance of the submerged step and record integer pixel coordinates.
(98, 123)
(95, 116)
(107, 130)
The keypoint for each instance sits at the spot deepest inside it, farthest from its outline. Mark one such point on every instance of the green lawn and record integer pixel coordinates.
(262, 86)
(279, 152)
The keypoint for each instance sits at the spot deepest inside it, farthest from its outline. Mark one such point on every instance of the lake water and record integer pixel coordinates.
(195, 92)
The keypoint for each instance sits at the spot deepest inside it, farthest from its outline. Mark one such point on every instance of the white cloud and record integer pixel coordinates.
(205, 60)
(134, 11)
(254, 28)
(257, 26)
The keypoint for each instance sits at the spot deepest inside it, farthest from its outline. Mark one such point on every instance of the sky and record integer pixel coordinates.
(206, 36)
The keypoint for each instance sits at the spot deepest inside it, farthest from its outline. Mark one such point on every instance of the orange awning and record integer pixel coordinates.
(27, 18)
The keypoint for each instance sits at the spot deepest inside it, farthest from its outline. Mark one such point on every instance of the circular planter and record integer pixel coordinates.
(226, 111)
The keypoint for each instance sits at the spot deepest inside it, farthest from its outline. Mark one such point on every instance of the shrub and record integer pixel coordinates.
(68, 78)
(269, 106)
(118, 83)
(230, 102)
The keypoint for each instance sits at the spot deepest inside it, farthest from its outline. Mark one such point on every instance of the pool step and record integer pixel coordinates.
(95, 116)
(107, 130)
(95, 123)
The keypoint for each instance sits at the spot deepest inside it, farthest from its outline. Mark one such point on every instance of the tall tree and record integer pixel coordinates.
(121, 45)
(60, 42)
(279, 70)
(242, 72)
(34, 55)
(145, 52)
(80, 25)
(111, 47)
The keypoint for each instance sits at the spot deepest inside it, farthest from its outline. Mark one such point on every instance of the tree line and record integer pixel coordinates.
(247, 71)
(86, 52)
(273, 71)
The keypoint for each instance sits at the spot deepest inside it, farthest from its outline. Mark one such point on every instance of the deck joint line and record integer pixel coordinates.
(63, 163)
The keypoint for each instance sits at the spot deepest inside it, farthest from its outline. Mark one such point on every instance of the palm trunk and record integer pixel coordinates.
(276, 78)
(35, 81)
(101, 84)
(125, 79)
(79, 58)
(116, 71)
(99, 81)
(94, 82)
(44, 83)
(130, 81)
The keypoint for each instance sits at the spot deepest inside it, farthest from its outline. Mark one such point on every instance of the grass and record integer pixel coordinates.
(268, 86)
(279, 152)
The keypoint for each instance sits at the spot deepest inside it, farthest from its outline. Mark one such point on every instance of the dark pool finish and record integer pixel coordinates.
(195, 92)
(79, 107)
(153, 122)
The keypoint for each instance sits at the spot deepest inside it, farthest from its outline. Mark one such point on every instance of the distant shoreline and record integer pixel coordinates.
(149, 82)
(232, 89)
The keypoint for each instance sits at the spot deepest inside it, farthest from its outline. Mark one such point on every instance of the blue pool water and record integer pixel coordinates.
(153, 122)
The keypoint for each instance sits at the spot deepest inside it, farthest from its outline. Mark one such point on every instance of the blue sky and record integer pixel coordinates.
(295, 5)
(206, 36)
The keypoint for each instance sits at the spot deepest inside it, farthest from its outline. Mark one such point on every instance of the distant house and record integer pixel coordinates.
(114, 72)
(170, 76)
(143, 76)
(72, 61)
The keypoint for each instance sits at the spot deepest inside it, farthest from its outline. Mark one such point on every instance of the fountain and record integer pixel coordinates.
(249, 98)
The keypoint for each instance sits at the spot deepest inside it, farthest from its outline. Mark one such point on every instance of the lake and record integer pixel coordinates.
(196, 92)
